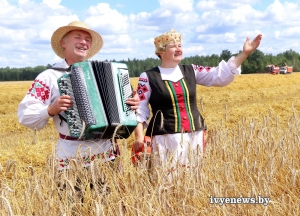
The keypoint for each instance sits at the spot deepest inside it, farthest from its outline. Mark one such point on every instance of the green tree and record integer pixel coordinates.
(225, 55)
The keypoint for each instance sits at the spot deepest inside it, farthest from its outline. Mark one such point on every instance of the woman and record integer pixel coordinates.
(176, 125)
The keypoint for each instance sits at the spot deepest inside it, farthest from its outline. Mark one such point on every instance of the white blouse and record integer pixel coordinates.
(178, 144)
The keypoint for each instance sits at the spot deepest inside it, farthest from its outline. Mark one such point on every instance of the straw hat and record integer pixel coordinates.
(57, 36)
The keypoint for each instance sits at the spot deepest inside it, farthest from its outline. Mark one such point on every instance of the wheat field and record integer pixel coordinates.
(253, 148)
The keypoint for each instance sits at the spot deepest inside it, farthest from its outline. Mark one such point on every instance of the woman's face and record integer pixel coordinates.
(173, 54)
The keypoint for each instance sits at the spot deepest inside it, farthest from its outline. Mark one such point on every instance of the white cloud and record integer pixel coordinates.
(55, 21)
(277, 34)
(26, 30)
(106, 20)
(291, 32)
(149, 42)
(166, 13)
(4, 3)
(207, 27)
(182, 5)
(229, 37)
(22, 1)
(118, 50)
(207, 5)
(288, 34)
(192, 50)
(201, 28)
(251, 34)
(283, 14)
(54, 4)
(139, 16)
(211, 38)
(45, 34)
(122, 40)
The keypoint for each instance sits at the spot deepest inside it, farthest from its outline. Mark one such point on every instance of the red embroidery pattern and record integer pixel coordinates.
(39, 90)
(143, 79)
(201, 68)
(87, 160)
(142, 88)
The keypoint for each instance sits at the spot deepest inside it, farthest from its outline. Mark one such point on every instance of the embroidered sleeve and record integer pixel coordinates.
(33, 109)
(39, 90)
(221, 75)
(144, 92)
(199, 68)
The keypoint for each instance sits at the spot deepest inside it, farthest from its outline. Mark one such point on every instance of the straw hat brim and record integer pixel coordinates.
(57, 36)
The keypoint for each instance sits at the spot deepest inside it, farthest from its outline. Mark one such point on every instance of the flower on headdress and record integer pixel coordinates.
(166, 38)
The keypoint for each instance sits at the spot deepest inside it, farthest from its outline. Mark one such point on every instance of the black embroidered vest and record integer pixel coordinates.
(174, 105)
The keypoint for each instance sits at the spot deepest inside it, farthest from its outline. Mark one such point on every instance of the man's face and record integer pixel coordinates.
(76, 45)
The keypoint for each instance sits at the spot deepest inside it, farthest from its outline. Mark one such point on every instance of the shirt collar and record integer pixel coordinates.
(62, 64)
(171, 74)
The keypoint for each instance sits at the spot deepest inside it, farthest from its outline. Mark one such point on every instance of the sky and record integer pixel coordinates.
(128, 27)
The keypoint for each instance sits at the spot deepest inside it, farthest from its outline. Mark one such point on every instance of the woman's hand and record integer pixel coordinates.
(138, 146)
(139, 138)
(250, 46)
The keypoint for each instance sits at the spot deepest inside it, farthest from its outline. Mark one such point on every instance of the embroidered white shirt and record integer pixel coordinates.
(33, 113)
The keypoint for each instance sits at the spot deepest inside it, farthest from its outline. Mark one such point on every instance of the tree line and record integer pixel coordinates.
(255, 63)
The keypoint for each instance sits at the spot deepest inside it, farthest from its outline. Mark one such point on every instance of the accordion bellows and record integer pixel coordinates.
(99, 90)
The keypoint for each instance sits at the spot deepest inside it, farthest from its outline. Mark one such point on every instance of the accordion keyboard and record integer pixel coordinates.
(82, 98)
(72, 113)
(126, 91)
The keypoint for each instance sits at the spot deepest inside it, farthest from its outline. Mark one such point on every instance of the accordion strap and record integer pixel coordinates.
(61, 119)
(62, 69)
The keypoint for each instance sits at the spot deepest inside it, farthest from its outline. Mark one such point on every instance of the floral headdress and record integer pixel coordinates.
(163, 40)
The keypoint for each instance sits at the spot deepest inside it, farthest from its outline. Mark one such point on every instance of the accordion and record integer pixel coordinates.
(99, 90)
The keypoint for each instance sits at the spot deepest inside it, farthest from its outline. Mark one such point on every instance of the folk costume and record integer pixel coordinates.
(33, 109)
(176, 125)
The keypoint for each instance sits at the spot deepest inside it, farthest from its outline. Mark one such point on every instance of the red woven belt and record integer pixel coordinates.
(65, 137)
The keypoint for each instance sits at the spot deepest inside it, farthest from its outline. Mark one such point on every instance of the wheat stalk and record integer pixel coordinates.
(7, 205)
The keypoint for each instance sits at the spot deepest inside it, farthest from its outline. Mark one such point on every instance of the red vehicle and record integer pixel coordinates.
(273, 69)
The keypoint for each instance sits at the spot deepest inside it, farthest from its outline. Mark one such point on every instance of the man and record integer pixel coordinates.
(73, 43)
